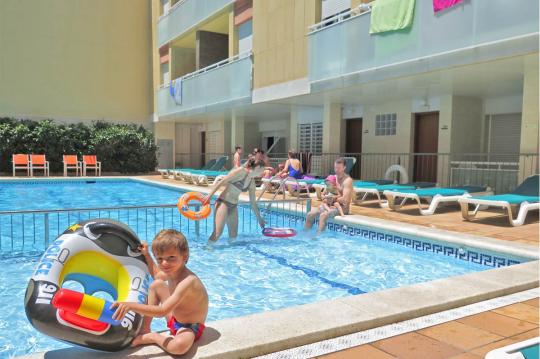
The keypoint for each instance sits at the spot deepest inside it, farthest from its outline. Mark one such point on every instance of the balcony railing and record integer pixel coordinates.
(216, 85)
(185, 15)
(343, 46)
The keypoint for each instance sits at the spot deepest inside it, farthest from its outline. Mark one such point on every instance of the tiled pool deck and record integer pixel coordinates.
(471, 337)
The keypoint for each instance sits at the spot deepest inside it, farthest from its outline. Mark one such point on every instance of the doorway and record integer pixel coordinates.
(353, 144)
(426, 145)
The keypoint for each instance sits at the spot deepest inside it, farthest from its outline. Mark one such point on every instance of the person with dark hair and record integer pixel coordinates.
(239, 180)
(293, 167)
(344, 187)
(237, 156)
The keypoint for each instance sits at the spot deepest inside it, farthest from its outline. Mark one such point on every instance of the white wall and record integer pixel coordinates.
(502, 105)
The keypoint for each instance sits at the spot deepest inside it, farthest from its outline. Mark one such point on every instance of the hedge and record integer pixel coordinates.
(120, 148)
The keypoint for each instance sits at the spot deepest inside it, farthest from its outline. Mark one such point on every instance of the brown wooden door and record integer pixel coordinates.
(353, 143)
(426, 144)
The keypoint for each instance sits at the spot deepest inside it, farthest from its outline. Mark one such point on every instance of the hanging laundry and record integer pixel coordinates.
(390, 15)
(175, 90)
(439, 5)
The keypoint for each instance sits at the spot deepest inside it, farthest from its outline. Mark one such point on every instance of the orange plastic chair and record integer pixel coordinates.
(39, 162)
(71, 162)
(21, 162)
(91, 162)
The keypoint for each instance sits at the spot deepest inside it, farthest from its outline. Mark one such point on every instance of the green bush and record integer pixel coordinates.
(120, 148)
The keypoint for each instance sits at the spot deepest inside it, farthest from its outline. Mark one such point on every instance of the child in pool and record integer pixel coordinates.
(176, 293)
(329, 202)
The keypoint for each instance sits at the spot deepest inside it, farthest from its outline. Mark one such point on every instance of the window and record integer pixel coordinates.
(310, 137)
(385, 125)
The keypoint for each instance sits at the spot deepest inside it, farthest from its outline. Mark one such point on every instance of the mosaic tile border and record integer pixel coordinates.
(371, 335)
(493, 260)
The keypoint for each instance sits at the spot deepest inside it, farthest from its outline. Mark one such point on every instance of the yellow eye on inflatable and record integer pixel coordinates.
(102, 256)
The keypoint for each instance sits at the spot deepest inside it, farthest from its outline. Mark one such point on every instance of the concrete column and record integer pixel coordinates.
(529, 118)
(293, 129)
(166, 131)
(332, 128)
(237, 131)
(233, 35)
(332, 132)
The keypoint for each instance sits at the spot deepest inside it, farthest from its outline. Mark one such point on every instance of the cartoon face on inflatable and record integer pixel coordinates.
(102, 255)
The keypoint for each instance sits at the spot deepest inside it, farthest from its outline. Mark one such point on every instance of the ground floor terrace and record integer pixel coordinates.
(460, 319)
(453, 126)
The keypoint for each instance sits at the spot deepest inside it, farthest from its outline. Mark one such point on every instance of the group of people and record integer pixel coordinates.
(176, 292)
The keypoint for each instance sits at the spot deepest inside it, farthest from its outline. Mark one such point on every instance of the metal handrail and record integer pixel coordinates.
(208, 68)
(64, 210)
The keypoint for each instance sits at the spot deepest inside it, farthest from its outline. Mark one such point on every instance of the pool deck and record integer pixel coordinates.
(468, 337)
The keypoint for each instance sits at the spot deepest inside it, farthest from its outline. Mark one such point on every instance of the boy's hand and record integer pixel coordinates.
(122, 309)
(144, 249)
(262, 223)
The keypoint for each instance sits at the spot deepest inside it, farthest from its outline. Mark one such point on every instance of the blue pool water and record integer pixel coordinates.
(249, 275)
(38, 195)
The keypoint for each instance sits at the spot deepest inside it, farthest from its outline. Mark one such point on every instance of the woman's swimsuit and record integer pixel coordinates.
(174, 326)
(294, 173)
(230, 195)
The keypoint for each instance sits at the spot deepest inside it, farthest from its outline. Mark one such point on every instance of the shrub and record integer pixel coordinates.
(119, 147)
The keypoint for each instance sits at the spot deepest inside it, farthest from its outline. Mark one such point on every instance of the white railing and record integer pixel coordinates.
(336, 19)
(210, 68)
(179, 3)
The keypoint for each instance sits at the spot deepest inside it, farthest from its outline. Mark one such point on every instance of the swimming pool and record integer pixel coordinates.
(255, 274)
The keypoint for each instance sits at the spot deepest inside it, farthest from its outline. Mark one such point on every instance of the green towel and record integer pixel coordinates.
(390, 15)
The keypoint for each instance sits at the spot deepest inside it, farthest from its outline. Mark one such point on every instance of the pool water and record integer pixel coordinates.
(39, 195)
(248, 275)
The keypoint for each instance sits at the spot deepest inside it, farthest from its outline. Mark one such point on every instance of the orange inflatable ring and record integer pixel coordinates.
(183, 206)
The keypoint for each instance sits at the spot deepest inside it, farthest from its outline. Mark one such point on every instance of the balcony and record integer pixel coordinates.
(222, 84)
(470, 32)
(184, 15)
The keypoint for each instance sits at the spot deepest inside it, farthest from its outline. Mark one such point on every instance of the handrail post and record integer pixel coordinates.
(46, 220)
(197, 224)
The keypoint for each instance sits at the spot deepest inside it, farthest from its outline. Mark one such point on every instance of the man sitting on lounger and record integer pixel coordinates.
(344, 186)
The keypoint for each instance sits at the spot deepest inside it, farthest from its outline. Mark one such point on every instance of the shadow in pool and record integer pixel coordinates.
(150, 351)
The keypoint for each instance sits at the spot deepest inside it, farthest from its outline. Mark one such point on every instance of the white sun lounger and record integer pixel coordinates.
(434, 196)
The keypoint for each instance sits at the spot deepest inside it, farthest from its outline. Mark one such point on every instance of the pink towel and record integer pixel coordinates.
(439, 5)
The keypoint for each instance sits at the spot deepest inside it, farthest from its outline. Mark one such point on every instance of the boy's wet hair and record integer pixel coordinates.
(170, 238)
(238, 148)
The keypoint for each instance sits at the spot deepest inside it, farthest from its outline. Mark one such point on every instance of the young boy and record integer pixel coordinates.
(176, 293)
(329, 202)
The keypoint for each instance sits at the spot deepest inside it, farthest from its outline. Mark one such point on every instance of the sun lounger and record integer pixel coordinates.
(518, 202)
(21, 162)
(39, 162)
(364, 191)
(527, 349)
(207, 178)
(434, 196)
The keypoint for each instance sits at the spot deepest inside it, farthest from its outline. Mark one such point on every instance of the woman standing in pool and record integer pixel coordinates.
(237, 181)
